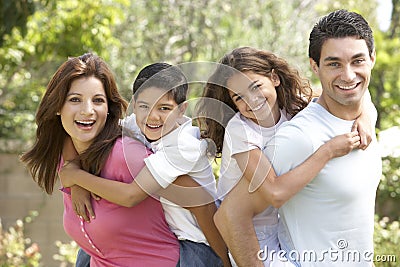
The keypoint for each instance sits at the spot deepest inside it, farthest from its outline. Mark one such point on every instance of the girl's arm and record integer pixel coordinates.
(365, 123)
(277, 190)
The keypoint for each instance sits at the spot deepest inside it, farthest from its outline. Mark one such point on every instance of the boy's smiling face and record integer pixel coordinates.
(157, 112)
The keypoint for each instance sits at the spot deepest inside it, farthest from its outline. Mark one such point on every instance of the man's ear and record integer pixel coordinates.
(314, 66)
(373, 58)
(182, 108)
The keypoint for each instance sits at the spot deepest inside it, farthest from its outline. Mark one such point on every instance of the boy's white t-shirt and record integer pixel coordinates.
(178, 153)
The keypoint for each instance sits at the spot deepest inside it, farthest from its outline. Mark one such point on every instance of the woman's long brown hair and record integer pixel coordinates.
(42, 160)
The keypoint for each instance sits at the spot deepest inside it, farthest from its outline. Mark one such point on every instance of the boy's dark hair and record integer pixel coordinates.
(163, 76)
(339, 24)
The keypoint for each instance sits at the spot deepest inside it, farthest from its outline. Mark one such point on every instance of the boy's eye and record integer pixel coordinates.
(165, 108)
(237, 98)
(143, 106)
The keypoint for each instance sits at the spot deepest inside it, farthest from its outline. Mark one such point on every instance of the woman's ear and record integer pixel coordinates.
(275, 79)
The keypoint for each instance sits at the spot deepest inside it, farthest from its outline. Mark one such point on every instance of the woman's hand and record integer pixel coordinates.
(81, 203)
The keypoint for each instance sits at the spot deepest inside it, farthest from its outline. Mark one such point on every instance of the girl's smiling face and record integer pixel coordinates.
(255, 97)
(84, 112)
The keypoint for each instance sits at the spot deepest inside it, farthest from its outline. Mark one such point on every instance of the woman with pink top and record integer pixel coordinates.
(82, 104)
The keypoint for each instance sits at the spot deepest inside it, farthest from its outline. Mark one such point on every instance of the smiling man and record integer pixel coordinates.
(331, 221)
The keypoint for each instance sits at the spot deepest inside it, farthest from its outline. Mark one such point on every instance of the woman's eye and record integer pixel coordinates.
(99, 100)
(74, 99)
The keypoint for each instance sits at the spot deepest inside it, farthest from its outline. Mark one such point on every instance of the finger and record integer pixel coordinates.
(90, 211)
(82, 212)
(354, 127)
(96, 197)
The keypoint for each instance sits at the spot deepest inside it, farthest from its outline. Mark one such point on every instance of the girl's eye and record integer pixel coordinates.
(255, 87)
(143, 106)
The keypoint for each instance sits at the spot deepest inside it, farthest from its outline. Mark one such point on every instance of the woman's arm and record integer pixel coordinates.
(277, 190)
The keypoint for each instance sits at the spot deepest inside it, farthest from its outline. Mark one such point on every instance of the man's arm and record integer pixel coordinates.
(234, 220)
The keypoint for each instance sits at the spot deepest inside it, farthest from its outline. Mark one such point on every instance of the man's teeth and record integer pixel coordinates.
(347, 87)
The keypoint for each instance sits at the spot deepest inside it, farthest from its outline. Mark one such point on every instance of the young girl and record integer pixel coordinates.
(257, 92)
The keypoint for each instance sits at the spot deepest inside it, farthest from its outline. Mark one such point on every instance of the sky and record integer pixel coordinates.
(384, 12)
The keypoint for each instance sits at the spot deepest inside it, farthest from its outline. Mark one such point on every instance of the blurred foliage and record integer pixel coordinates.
(386, 242)
(67, 253)
(36, 36)
(16, 250)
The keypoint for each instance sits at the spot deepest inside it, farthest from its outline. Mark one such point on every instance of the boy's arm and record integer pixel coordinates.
(201, 204)
(127, 195)
(277, 190)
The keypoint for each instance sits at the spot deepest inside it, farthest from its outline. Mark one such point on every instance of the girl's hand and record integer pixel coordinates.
(343, 144)
(363, 125)
(81, 203)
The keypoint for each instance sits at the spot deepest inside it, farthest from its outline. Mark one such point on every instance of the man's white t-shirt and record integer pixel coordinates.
(333, 216)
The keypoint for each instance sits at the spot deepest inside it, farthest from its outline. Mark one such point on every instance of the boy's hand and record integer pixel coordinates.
(67, 173)
(81, 203)
(343, 144)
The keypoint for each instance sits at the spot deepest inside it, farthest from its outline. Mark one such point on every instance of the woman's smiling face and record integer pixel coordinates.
(84, 112)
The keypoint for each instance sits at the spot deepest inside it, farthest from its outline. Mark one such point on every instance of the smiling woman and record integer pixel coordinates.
(84, 112)
(82, 104)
